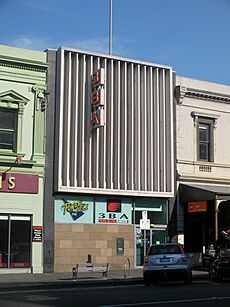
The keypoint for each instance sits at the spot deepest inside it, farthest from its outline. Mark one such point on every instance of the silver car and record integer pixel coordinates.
(166, 261)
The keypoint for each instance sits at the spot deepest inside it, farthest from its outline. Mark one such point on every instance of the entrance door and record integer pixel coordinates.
(15, 241)
(152, 236)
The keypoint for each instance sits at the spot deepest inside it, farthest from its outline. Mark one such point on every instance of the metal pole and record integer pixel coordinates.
(216, 219)
(110, 27)
(144, 243)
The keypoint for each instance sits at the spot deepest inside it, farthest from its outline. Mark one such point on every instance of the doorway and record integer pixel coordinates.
(15, 241)
(144, 239)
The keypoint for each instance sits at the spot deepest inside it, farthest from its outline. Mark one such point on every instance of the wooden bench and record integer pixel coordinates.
(90, 268)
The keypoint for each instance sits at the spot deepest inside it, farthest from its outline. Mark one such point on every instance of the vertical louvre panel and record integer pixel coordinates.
(88, 138)
(149, 152)
(110, 136)
(59, 112)
(129, 126)
(72, 121)
(75, 101)
(115, 126)
(151, 132)
(65, 151)
(133, 151)
(107, 127)
(161, 132)
(122, 127)
(169, 131)
(101, 171)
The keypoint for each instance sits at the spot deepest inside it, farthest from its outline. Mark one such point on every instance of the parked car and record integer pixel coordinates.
(166, 261)
(220, 264)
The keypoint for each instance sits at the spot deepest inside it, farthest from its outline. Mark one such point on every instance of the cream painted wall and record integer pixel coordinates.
(187, 164)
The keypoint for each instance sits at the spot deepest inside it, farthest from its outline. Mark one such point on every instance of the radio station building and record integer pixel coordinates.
(110, 158)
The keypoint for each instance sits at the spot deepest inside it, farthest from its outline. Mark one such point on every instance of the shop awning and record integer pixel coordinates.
(195, 192)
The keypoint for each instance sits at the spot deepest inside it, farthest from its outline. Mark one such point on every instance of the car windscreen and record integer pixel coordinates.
(225, 252)
(164, 249)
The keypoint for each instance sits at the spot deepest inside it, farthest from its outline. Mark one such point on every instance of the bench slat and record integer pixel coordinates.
(90, 267)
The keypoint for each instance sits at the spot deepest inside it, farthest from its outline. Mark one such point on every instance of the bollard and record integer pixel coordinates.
(74, 271)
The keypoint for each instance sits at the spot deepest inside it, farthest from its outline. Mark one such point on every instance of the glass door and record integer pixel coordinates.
(15, 241)
(146, 238)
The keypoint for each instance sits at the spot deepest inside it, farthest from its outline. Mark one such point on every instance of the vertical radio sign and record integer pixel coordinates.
(98, 98)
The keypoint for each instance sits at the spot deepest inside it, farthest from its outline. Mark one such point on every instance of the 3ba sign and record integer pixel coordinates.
(113, 212)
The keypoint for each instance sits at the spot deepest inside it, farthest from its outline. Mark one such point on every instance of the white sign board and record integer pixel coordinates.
(144, 215)
(144, 224)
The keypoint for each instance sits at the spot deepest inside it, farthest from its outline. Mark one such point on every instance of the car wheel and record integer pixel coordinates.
(188, 278)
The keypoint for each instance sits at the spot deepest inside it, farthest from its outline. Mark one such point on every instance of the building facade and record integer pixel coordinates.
(203, 164)
(22, 138)
(112, 158)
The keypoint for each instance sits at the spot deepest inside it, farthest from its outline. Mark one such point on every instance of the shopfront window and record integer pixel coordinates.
(156, 208)
(15, 241)
(4, 231)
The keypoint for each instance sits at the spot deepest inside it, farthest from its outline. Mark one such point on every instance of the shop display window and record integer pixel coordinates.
(156, 208)
(4, 230)
(15, 241)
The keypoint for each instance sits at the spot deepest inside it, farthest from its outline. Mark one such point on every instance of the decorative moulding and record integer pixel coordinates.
(197, 115)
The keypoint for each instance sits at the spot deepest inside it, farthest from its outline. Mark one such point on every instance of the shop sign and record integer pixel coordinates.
(197, 206)
(72, 210)
(18, 183)
(145, 224)
(113, 212)
(37, 234)
(98, 98)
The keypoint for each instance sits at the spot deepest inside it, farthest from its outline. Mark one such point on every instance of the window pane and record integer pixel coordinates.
(204, 133)
(7, 129)
(204, 152)
(155, 217)
(6, 139)
(20, 243)
(4, 228)
(7, 119)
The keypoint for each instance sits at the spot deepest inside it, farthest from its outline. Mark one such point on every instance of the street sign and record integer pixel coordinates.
(144, 215)
(144, 224)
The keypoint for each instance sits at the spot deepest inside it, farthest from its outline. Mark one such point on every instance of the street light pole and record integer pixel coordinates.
(110, 27)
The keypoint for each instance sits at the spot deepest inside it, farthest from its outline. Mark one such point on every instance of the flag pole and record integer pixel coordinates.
(110, 27)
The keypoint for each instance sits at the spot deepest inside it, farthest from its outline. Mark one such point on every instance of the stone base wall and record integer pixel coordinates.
(74, 242)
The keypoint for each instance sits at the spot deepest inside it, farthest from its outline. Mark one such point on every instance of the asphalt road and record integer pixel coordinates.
(200, 293)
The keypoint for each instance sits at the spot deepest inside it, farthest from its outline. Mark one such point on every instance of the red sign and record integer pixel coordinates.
(18, 183)
(37, 234)
(197, 206)
(113, 206)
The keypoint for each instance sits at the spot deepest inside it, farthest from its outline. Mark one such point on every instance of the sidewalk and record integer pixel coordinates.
(60, 280)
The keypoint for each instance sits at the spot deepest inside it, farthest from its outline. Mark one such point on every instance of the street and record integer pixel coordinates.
(200, 293)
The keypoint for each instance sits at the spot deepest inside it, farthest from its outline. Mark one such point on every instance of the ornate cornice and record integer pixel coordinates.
(207, 95)
(200, 94)
(23, 65)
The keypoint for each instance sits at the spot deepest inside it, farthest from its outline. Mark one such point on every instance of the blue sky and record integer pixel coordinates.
(191, 36)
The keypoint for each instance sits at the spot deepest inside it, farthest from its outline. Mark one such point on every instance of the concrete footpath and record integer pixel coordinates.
(60, 280)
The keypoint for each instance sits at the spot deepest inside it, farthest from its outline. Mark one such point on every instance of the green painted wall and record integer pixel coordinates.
(23, 76)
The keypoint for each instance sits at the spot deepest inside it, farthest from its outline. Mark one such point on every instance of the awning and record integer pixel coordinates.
(195, 192)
